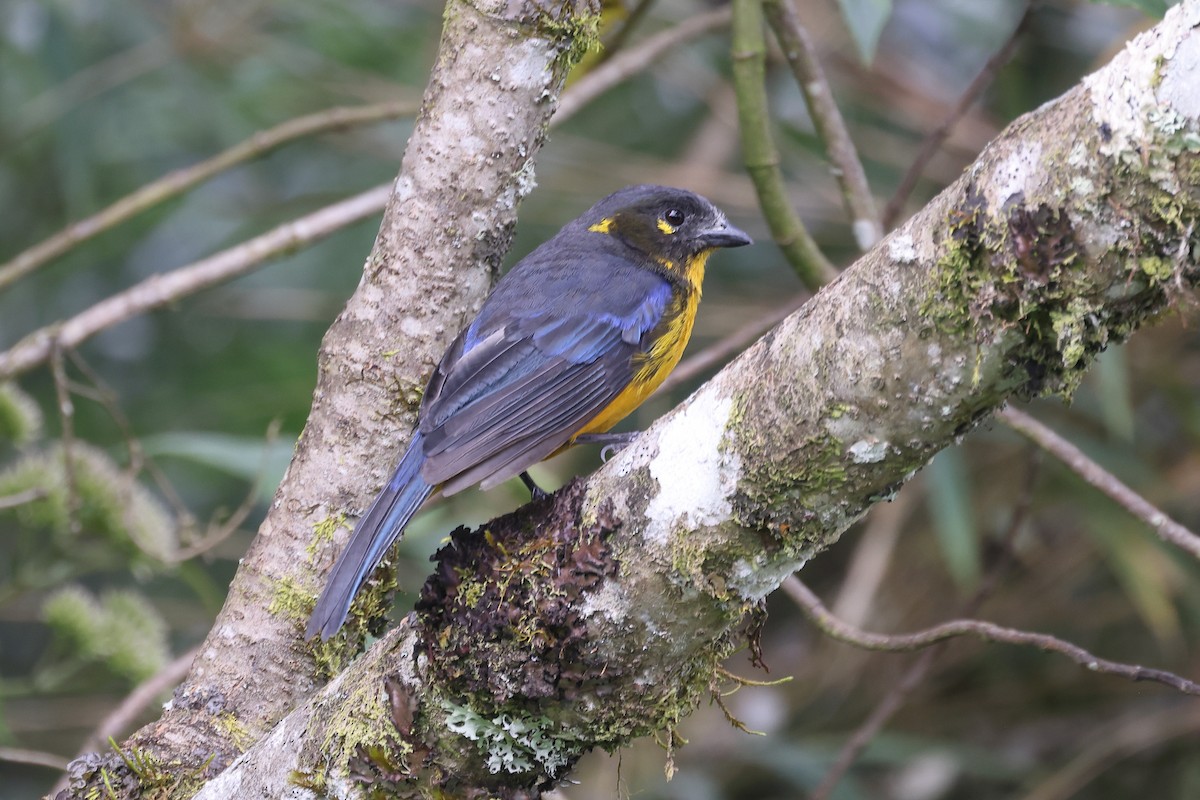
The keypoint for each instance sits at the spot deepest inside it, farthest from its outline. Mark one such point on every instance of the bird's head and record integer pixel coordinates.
(673, 229)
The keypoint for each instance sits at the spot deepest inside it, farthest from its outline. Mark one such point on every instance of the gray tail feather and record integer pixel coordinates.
(378, 529)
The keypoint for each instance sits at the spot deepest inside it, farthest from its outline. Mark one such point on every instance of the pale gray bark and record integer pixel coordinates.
(1073, 228)
(446, 229)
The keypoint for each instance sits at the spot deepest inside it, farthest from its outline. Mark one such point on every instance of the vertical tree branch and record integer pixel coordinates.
(762, 159)
(847, 167)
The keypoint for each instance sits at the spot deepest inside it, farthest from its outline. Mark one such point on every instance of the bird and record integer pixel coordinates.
(571, 340)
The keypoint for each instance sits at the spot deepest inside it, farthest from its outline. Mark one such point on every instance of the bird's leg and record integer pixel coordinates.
(536, 492)
(612, 442)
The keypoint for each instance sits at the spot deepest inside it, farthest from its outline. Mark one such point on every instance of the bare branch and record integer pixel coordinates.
(159, 290)
(1166, 528)
(990, 632)
(179, 181)
(624, 65)
(37, 758)
(916, 672)
(848, 169)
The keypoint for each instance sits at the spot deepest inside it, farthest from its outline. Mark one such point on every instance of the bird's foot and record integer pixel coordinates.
(612, 443)
(536, 492)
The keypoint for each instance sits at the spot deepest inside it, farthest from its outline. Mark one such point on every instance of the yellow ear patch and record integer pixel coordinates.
(603, 226)
(666, 227)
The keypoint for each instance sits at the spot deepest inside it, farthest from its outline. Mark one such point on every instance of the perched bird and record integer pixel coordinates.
(572, 339)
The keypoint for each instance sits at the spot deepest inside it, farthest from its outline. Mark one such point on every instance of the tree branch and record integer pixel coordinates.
(1074, 459)
(603, 613)
(160, 290)
(827, 118)
(481, 124)
(833, 627)
(181, 180)
(758, 149)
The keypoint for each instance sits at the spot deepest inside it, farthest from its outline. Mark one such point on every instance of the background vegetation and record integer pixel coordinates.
(188, 413)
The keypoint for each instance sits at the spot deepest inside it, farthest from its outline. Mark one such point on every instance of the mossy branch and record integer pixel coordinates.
(602, 614)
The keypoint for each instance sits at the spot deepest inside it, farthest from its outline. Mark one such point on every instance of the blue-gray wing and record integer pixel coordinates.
(528, 375)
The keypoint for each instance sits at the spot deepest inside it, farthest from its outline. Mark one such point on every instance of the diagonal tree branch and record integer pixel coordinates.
(481, 124)
(603, 614)
(181, 180)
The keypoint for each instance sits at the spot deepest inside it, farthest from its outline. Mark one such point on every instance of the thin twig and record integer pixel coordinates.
(66, 416)
(21, 498)
(160, 290)
(934, 140)
(100, 392)
(219, 533)
(916, 672)
(1073, 458)
(630, 62)
(122, 718)
(987, 631)
(758, 148)
(179, 181)
(614, 44)
(17, 755)
(827, 119)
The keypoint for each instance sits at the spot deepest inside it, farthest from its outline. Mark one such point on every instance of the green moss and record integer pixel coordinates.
(290, 599)
(359, 737)
(578, 35)
(837, 410)
(1156, 268)
(234, 730)
(323, 532)
(20, 417)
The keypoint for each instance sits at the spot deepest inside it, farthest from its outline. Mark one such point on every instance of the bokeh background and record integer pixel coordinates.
(185, 417)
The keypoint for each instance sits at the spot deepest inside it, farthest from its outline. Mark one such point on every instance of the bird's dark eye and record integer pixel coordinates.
(674, 217)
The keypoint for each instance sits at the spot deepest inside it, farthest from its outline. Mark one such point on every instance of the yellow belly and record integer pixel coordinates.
(651, 368)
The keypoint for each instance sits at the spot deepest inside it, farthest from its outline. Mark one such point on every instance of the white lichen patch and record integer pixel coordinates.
(695, 478)
(609, 600)
(902, 249)
(868, 451)
(1012, 175)
(758, 577)
(1148, 92)
(866, 233)
(514, 743)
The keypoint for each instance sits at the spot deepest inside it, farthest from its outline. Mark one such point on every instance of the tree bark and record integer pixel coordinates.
(444, 233)
(601, 614)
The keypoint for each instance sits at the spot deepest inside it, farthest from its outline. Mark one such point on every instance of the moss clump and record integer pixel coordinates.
(120, 629)
(96, 495)
(20, 417)
(779, 496)
(323, 532)
(290, 599)
(1020, 271)
(234, 730)
(361, 741)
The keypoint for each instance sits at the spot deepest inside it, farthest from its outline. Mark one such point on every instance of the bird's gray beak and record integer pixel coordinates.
(724, 235)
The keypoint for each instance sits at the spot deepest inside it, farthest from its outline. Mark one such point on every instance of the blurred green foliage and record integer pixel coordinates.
(99, 97)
